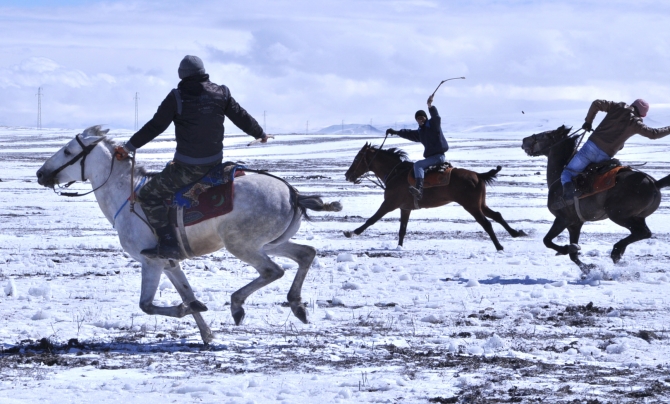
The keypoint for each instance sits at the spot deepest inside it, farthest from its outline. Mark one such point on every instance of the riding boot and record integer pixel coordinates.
(568, 197)
(417, 190)
(167, 247)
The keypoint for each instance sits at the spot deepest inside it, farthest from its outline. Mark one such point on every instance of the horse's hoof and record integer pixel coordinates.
(300, 312)
(521, 233)
(348, 234)
(197, 306)
(574, 248)
(238, 316)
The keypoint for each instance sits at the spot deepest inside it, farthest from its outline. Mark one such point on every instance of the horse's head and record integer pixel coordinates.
(62, 167)
(360, 165)
(540, 143)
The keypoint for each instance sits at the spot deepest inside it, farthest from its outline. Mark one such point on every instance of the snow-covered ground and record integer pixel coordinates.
(445, 319)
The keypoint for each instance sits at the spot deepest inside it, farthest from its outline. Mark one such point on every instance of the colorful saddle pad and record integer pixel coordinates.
(435, 176)
(598, 177)
(210, 197)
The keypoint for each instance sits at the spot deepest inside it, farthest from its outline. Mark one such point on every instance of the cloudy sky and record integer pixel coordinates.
(331, 61)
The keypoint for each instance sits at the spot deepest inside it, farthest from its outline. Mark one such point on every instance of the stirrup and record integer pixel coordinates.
(416, 192)
(166, 252)
(562, 203)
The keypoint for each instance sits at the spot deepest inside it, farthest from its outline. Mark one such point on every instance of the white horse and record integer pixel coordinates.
(266, 214)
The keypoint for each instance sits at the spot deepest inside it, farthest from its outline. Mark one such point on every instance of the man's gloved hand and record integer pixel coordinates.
(121, 153)
(587, 127)
(390, 131)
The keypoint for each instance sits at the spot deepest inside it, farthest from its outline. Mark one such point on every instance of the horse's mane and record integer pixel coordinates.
(110, 143)
(394, 151)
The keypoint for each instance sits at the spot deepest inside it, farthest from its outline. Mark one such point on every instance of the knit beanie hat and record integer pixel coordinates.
(642, 106)
(420, 113)
(190, 66)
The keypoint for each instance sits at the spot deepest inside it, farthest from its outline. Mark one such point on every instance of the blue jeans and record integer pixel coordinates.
(421, 165)
(589, 153)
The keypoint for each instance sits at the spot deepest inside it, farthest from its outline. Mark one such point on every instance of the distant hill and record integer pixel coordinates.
(350, 129)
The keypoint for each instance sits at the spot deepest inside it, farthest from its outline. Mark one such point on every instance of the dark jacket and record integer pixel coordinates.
(198, 108)
(430, 135)
(619, 124)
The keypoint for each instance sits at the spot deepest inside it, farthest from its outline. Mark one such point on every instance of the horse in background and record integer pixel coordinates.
(467, 188)
(635, 196)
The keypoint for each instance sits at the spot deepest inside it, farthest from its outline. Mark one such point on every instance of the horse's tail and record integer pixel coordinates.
(490, 176)
(314, 202)
(663, 182)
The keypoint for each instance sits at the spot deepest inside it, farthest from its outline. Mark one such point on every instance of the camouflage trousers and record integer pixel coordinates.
(163, 186)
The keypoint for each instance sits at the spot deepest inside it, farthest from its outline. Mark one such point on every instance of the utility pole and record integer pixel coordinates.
(137, 98)
(307, 128)
(39, 108)
(343, 126)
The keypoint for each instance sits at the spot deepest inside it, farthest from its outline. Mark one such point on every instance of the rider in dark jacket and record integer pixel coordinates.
(198, 108)
(430, 135)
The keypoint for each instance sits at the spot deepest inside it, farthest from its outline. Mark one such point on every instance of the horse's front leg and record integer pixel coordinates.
(556, 229)
(575, 231)
(151, 276)
(178, 279)
(404, 218)
(385, 208)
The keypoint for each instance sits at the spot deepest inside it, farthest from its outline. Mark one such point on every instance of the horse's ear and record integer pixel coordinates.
(94, 131)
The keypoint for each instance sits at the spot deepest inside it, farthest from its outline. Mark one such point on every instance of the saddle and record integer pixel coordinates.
(598, 177)
(435, 176)
(209, 197)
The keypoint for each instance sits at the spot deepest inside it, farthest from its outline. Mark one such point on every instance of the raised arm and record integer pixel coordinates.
(157, 125)
(243, 120)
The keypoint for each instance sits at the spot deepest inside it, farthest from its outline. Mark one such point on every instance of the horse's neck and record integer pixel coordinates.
(115, 192)
(383, 165)
(558, 158)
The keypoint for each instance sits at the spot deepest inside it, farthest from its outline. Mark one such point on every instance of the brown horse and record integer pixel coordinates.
(467, 188)
(635, 196)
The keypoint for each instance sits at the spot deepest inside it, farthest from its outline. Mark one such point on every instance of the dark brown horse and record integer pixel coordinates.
(635, 196)
(467, 188)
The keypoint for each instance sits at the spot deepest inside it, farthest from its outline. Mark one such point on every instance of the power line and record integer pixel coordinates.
(137, 99)
(39, 108)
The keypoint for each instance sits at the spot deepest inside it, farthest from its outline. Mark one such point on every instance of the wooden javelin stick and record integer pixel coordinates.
(453, 78)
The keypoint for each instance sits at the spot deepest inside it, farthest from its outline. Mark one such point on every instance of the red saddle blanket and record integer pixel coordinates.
(432, 179)
(599, 182)
(212, 202)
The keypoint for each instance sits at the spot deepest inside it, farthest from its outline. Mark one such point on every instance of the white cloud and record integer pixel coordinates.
(329, 60)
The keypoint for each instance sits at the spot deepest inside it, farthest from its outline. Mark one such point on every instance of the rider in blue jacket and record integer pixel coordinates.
(430, 135)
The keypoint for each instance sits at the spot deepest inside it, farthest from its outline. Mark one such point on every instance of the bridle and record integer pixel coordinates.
(86, 150)
(554, 143)
(379, 181)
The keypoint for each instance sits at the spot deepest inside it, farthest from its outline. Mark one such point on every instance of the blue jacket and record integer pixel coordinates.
(430, 135)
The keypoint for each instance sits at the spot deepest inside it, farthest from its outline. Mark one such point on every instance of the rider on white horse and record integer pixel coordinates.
(198, 108)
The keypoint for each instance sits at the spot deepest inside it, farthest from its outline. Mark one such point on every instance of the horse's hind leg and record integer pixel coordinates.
(481, 219)
(178, 279)
(638, 231)
(490, 213)
(303, 255)
(269, 272)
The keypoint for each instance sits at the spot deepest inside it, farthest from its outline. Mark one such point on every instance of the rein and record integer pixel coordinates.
(86, 150)
(378, 182)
